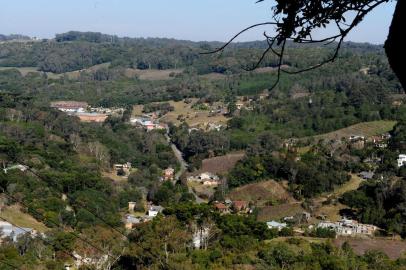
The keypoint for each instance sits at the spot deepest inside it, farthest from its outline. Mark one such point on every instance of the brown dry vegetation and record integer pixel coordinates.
(393, 248)
(262, 193)
(362, 129)
(221, 164)
(276, 212)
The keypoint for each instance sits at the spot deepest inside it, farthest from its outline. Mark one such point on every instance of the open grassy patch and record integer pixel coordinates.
(14, 214)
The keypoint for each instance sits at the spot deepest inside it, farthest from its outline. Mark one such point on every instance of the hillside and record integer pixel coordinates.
(262, 193)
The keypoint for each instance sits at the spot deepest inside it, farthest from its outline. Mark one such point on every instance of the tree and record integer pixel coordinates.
(295, 21)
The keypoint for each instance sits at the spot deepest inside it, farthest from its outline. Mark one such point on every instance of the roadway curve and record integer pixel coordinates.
(183, 167)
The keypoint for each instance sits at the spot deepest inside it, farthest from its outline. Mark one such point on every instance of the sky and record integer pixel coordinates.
(209, 20)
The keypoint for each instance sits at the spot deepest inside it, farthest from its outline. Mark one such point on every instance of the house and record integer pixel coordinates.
(401, 160)
(366, 175)
(208, 176)
(221, 207)
(7, 230)
(276, 225)
(240, 206)
(154, 210)
(205, 176)
(130, 221)
(348, 227)
(120, 168)
(168, 174)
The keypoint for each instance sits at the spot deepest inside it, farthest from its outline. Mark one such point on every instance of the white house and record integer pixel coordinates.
(276, 225)
(154, 210)
(401, 160)
(203, 177)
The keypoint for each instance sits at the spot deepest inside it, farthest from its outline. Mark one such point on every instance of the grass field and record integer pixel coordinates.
(152, 74)
(362, 129)
(192, 116)
(332, 211)
(23, 70)
(17, 217)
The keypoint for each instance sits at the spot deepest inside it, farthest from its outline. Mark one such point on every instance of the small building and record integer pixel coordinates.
(130, 221)
(154, 210)
(401, 160)
(205, 176)
(276, 225)
(240, 206)
(123, 168)
(221, 207)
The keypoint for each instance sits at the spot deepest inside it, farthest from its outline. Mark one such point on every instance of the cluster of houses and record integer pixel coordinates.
(148, 123)
(132, 220)
(358, 142)
(349, 227)
(229, 206)
(85, 112)
(205, 178)
(207, 126)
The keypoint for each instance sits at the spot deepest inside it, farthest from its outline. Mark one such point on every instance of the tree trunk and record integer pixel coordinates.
(394, 45)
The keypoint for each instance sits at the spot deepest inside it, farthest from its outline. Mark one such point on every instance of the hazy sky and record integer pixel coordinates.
(181, 19)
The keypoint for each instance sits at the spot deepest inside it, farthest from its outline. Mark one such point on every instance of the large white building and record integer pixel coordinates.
(348, 227)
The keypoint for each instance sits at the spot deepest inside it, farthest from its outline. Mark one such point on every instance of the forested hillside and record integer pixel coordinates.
(62, 171)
